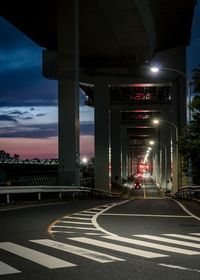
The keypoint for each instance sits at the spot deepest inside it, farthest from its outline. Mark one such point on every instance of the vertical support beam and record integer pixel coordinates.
(101, 100)
(68, 90)
(115, 125)
(7, 198)
(124, 152)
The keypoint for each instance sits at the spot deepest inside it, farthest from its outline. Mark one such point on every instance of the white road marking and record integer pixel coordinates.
(192, 238)
(82, 214)
(146, 215)
(94, 218)
(152, 245)
(173, 241)
(7, 269)
(119, 248)
(187, 211)
(77, 218)
(71, 222)
(90, 212)
(92, 233)
(92, 255)
(195, 233)
(84, 228)
(35, 256)
(62, 231)
(179, 267)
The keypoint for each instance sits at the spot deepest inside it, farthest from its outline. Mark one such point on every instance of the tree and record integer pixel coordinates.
(189, 144)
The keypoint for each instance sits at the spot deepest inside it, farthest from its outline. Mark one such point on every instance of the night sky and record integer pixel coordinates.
(28, 102)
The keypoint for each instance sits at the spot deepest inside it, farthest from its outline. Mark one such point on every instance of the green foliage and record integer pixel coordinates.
(196, 79)
(189, 144)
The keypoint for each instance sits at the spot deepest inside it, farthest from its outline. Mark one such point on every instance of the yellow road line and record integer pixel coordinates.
(71, 214)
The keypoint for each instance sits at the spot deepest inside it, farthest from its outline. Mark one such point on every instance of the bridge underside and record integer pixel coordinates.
(106, 48)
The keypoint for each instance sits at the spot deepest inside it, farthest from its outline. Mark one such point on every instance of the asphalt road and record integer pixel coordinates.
(144, 237)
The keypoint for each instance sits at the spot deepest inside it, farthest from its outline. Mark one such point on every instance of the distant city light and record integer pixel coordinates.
(84, 160)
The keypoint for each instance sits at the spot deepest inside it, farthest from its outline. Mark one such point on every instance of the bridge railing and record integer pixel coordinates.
(188, 192)
(8, 191)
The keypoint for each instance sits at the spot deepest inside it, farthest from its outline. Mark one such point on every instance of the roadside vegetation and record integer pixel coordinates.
(189, 143)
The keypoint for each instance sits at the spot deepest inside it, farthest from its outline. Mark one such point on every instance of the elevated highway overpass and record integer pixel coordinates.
(106, 48)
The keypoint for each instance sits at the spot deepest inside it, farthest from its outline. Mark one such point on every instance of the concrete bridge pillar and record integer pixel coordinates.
(68, 91)
(115, 126)
(101, 100)
(124, 152)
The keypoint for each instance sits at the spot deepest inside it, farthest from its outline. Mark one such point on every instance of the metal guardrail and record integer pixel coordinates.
(188, 192)
(55, 189)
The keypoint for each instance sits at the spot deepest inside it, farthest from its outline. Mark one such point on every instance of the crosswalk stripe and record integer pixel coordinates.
(7, 269)
(173, 241)
(89, 254)
(82, 214)
(62, 231)
(85, 228)
(77, 218)
(35, 256)
(195, 233)
(192, 238)
(119, 248)
(71, 222)
(90, 212)
(151, 245)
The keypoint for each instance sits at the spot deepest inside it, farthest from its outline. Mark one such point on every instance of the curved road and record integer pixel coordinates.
(143, 237)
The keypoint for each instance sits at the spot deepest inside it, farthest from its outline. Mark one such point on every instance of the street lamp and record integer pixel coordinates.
(156, 69)
(156, 121)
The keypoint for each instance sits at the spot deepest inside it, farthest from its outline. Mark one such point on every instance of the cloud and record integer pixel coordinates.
(40, 115)
(7, 118)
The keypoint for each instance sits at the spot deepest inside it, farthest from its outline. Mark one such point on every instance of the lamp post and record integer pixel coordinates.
(156, 69)
(165, 148)
(155, 121)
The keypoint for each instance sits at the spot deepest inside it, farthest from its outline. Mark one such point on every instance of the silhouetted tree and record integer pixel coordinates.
(189, 144)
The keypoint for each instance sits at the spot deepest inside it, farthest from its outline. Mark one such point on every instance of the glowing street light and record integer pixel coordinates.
(84, 160)
(154, 69)
(156, 121)
(151, 142)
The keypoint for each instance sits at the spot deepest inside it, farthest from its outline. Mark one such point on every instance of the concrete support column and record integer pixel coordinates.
(68, 91)
(129, 156)
(124, 152)
(115, 131)
(101, 100)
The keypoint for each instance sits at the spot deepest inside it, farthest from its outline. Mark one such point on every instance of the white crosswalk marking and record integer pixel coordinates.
(90, 212)
(35, 256)
(119, 248)
(173, 241)
(95, 256)
(78, 218)
(152, 245)
(83, 214)
(7, 269)
(192, 238)
(80, 223)
(84, 228)
(195, 233)
(61, 231)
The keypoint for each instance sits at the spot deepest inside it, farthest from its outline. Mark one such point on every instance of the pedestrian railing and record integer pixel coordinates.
(188, 192)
